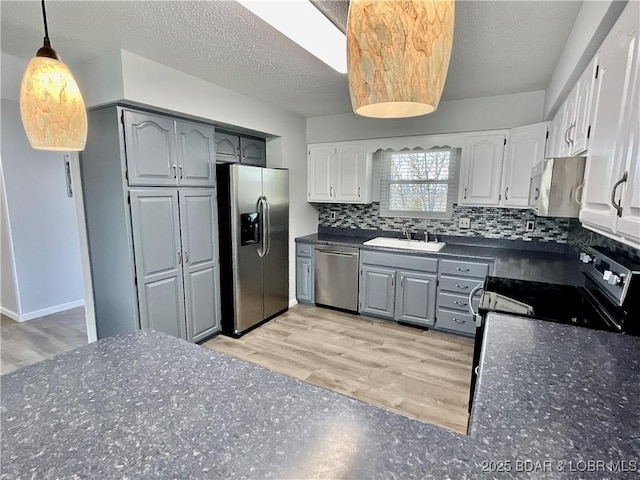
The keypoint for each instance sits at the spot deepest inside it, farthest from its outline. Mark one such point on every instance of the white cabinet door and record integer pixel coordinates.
(629, 219)
(350, 171)
(525, 148)
(552, 149)
(482, 169)
(320, 172)
(568, 111)
(578, 134)
(604, 169)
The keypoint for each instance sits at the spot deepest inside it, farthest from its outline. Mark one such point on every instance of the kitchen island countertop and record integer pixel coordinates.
(515, 263)
(149, 405)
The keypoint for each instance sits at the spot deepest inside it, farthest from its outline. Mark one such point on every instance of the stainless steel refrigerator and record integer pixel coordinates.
(253, 204)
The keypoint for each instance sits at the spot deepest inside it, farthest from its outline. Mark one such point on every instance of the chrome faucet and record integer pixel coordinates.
(406, 233)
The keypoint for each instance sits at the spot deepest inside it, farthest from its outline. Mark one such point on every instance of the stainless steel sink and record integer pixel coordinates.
(406, 244)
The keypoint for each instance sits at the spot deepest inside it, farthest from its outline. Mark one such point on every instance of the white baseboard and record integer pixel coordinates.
(9, 313)
(292, 302)
(48, 311)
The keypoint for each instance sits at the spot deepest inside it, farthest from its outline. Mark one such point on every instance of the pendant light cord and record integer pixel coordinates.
(44, 18)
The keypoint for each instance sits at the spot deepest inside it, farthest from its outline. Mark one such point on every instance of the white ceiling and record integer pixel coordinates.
(499, 47)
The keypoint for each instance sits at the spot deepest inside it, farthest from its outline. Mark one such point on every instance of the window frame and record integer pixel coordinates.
(451, 182)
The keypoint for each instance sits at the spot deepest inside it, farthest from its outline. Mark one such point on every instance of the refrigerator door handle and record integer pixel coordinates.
(267, 235)
(261, 214)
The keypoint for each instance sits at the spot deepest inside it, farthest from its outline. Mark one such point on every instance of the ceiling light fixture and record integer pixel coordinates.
(398, 55)
(306, 25)
(52, 109)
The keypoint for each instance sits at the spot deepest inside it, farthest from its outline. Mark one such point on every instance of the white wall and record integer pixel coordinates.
(42, 221)
(151, 83)
(484, 113)
(8, 295)
(593, 23)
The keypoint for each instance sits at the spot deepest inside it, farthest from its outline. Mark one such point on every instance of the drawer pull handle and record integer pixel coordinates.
(459, 321)
(477, 370)
(462, 304)
(463, 287)
(462, 269)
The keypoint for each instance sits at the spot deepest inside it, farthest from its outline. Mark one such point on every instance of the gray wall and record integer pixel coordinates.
(42, 220)
(8, 296)
(486, 113)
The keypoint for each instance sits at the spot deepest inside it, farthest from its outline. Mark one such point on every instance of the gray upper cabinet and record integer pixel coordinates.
(158, 258)
(253, 151)
(227, 147)
(150, 144)
(198, 220)
(377, 291)
(416, 298)
(196, 154)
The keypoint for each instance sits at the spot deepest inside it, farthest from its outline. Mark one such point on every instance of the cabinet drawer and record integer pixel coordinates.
(455, 322)
(464, 269)
(304, 250)
(456, 302)
(411, 262)
(458, 285)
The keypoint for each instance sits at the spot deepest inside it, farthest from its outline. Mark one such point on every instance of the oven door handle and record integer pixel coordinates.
(476, 289)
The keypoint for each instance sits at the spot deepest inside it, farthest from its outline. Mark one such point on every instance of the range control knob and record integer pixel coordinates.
(586, 258)
(614, 280)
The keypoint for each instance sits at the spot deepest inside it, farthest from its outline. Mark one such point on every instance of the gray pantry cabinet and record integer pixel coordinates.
(305, 273)
(398, 287)
(235, 148)
(152, 236)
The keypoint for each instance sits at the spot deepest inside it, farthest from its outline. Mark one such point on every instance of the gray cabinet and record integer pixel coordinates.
(227, 147)
(253, 151)
(150, 149)
(200, 262)
(398, 287)
(163, 151)
(235, 148)
(153, 250)
(158, 257)
(377, 291)
(416, 298)
(304, 273)
(196, 154)
(457, 278)
(176, 256)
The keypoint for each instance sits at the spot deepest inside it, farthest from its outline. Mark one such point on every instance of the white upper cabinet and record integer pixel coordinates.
(339, 173)
(350, 173)
(525, 149)
(579, 130)
(610, 202)
(570, 128)
(320, 171)
(482, 158)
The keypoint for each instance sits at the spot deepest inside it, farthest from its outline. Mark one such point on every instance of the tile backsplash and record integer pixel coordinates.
(487, 222)
(580, 237)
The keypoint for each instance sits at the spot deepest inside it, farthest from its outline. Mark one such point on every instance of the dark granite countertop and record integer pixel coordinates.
(538, 262)
(148, 405)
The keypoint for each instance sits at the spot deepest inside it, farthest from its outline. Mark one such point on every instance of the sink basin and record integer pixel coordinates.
(408, 244)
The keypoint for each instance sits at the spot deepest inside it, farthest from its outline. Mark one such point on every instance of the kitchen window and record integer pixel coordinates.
(419, 183)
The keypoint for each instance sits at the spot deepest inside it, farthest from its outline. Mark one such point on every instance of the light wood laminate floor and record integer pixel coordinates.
(418, 373)
(26, 343)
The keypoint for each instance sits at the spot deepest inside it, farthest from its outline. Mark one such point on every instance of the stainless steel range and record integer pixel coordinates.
(609, 299)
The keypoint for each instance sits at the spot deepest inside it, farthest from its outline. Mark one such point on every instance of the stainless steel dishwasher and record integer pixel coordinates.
(336, 276)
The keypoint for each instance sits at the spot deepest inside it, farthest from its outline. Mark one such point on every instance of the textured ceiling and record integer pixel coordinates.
(499, 47)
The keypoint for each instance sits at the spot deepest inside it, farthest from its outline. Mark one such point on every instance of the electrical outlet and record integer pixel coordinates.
(464, 223)
(530, 226)
(333, 215)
